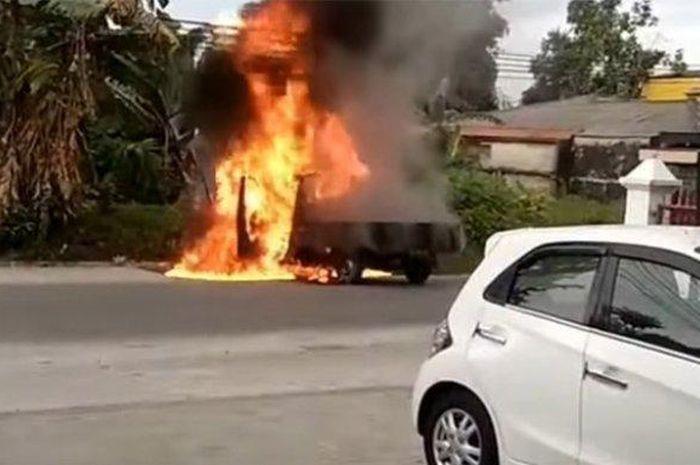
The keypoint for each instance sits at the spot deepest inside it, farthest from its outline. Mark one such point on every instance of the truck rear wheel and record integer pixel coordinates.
(417, 270)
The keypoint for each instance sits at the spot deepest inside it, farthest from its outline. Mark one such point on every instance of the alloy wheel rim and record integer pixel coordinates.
(457, 439)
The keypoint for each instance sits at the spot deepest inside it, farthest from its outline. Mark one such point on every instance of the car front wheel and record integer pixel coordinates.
(349, 271)
(459, 432)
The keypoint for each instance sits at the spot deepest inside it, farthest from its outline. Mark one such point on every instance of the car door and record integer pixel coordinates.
(527, 353)
(641, 389)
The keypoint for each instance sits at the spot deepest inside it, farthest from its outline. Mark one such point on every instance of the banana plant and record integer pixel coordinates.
(44, 84)
(53, 71)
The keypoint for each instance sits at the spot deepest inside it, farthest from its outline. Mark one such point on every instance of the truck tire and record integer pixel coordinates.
(417, 270)
(349, 271)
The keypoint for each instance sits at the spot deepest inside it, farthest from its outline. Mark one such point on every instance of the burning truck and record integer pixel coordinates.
(293, 195)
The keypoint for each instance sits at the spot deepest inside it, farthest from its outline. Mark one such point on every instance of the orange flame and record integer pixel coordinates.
(288, 137)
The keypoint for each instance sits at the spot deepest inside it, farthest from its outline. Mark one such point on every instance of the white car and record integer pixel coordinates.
(570, 346)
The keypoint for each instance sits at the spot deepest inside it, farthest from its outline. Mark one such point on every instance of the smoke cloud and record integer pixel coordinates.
(375, 58)
(372, 60)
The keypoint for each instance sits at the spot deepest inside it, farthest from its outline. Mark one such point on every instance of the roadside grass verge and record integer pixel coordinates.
(575, 210)
(132, 231)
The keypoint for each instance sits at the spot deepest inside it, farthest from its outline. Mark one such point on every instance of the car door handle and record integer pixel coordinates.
(606, 376)
(490, 334)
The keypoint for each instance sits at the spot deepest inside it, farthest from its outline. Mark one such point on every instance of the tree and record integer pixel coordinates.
(599, 53)
(149, 85)
(57, 66)
(45, 94)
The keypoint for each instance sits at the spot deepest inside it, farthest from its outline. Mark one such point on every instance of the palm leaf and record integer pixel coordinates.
(132, 100)
(37, 74)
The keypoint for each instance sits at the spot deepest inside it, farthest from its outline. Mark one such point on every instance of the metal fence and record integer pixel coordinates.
(681, 208)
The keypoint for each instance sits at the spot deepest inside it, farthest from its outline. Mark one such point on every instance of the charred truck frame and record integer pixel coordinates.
(348, 247)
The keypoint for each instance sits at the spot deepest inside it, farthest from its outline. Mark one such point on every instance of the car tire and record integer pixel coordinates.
(444, 446)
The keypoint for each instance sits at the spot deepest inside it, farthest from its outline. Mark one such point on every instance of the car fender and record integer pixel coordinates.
(451, 366)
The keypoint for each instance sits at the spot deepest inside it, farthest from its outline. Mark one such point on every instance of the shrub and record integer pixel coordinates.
(487, 204)
(136, 232)
(128, 167)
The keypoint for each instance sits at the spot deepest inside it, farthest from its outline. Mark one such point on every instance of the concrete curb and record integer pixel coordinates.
(156, 267)
(149, 266)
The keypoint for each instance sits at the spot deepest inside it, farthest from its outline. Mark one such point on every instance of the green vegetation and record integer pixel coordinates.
(575, 210)
(487, 204)
(133, 232)
(88, 112)
(599, 52)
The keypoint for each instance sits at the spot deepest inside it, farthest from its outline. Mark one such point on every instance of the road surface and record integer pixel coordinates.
(367, 427)
(120, 366)
(78, 304)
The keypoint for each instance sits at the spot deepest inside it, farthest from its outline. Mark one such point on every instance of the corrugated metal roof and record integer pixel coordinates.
(594, 116)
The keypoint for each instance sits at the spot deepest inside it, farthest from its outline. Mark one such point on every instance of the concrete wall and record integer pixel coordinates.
(534, 183)
(600, 162)
(590, 168)
(521, 158)
(533, 166)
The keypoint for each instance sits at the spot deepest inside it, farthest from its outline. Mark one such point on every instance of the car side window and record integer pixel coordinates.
(656, 304)
(557, 285)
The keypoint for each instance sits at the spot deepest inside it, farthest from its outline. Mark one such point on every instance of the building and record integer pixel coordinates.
(671, 87)
(608, 135)
(538, 159)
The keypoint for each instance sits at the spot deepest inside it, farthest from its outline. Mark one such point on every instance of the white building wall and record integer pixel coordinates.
(521, 158)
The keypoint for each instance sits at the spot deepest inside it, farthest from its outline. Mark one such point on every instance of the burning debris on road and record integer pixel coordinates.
(319, 173)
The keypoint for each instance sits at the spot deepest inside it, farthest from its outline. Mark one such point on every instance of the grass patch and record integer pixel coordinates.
(575, 210)
(135, 232)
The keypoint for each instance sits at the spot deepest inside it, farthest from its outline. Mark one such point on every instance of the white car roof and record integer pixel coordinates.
(675, 238)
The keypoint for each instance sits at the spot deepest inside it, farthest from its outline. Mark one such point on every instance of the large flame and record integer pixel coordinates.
(289, 137)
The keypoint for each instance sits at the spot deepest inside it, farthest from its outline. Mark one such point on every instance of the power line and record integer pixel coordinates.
(502, 52)
(518, 59)
(525, 64)
(232, 31)
(512, 59)
(515, 77)
(205, 24)
(514, 71)
(511, 65)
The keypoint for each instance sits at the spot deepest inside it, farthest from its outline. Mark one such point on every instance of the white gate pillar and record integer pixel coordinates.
(647, 186)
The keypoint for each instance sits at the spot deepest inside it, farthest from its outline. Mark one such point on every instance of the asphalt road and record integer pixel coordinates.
(66, 305)
(360, 427)
(120, 366)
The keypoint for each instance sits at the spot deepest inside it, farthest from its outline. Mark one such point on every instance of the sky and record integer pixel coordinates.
(529, 21)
